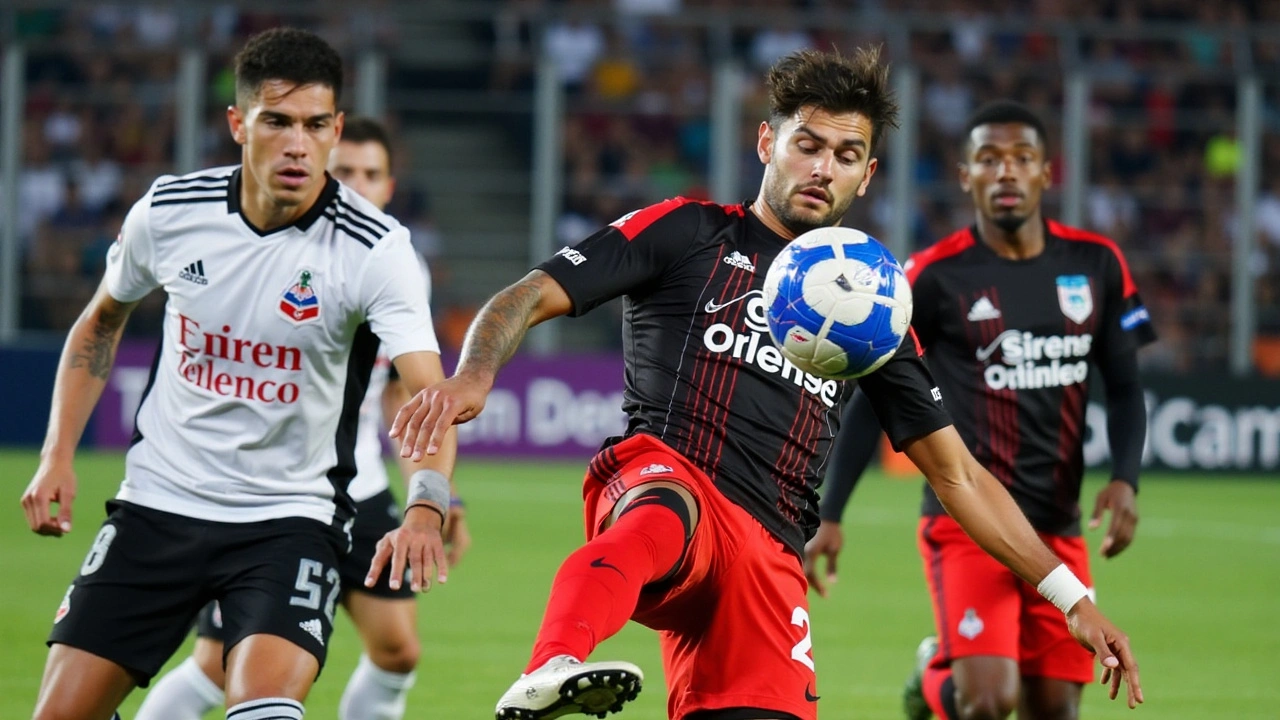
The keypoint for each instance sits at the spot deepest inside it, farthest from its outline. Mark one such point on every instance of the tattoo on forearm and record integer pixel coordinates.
(500, 326)
(98, 351)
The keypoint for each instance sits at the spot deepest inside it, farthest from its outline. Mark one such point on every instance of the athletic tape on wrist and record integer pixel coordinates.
(1062, 588)
(429, 486)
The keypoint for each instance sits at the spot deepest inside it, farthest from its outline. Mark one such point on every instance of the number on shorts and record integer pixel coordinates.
(309, 574)
(335, 585)
(98, 553)
(800, 653)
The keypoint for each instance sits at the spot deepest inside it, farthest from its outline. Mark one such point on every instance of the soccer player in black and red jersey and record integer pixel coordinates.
(1012, 311)
(696, 520)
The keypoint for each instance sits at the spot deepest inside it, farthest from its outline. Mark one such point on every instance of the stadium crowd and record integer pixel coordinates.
(1162, 159)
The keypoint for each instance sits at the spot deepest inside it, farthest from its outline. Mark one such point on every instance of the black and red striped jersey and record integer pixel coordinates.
(1012, 343)
(703, 375)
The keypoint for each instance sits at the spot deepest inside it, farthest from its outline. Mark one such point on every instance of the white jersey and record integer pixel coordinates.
(371, 470)
(269, 339)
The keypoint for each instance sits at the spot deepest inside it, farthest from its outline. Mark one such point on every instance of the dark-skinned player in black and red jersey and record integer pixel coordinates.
(1013, 311)
(696, 519)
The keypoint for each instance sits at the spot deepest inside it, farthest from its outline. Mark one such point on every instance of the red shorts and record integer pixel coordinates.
(983, 608)
(734, 621)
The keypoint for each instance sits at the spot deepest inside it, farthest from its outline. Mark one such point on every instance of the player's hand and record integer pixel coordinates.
(416, 543)
(1094, 631)
(1119, 498)
(53, 483)
(457, 537)
(828, 542)
(422, 422)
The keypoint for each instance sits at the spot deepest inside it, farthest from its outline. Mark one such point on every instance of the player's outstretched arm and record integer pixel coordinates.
(983, 507)
(491, 340)
(83, 370)
(419, 542)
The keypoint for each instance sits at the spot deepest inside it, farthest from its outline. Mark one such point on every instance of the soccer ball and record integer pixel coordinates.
(837, 303)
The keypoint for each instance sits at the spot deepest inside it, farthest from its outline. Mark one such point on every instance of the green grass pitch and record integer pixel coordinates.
(1198, 592)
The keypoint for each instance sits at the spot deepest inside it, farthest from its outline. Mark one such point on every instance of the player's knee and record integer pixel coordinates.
(398, 654)
(1056, 708)
(986, 704)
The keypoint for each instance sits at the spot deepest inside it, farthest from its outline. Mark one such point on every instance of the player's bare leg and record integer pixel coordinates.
(208, 656)
(986, 687)
(388, 629)
(269, 670)
(79, 685)
(1049, 699)
(190, 690)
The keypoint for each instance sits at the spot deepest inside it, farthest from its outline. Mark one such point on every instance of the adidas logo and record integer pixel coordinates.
(313, 628)
(195, 273)
(983, 310)
(655, 468)
(739, 260)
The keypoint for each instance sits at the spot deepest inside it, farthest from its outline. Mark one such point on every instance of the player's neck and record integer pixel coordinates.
(264, 213)
(1022, 244)
(761, 210)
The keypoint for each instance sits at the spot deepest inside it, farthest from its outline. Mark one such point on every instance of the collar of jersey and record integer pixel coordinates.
(303, 223)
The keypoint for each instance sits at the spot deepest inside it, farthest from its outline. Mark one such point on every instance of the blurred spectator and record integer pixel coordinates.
(98, 176)
(574, 44)
(948, 100)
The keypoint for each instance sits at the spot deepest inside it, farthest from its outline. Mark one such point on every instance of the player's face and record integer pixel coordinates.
(816, 163)
(287, 132)
(1006, 173)
(365, 168)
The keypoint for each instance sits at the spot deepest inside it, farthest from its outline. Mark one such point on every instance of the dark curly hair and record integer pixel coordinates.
(297, 56)
(1005, 112)
(835, 83)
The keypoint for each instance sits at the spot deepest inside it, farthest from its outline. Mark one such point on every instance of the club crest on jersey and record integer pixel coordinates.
(299, 303)
(1074, 297)
(655, 469)
(971, 626)
(65, 606)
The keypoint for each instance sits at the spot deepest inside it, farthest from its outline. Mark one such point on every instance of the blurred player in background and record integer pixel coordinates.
(696, 520)
(1012, 311)
(386, 618)
(282, 285)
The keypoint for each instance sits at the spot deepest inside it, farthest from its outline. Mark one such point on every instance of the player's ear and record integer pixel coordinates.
(235, 121)
(1048, 174)
(339, 122)
(391, 187)
(764, 142)
(962, 171)
(872, 164)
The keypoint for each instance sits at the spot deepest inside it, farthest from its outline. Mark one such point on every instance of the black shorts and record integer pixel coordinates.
(375, 517)
(149, 572)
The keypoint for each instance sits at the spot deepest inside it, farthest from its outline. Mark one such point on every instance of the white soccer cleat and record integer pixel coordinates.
(566, 686)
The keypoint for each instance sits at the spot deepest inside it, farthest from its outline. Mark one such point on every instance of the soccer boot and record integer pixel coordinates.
(913, 702)
(565, 686)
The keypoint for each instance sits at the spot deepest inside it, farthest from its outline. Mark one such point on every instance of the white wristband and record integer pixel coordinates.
(429, 486)
(1062, 588)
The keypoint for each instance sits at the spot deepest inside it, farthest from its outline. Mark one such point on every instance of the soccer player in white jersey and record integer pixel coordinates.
(386, 618)
(281, 282)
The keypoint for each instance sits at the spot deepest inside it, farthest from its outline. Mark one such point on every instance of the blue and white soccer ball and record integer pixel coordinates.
(837, 302)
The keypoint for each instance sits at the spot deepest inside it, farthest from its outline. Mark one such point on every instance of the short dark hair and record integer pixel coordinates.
(1002, 112)
(835, 83)
(297, 56)
(360, 129)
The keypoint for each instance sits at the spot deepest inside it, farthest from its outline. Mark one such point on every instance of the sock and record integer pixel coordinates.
(940, 693)
(375, 694)
(185, 693)
(597, 587)
(278, 708)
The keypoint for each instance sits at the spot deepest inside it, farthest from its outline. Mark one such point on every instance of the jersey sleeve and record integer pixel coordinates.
(393, 293)
(131, 273)
(925, 299)
(625, 257)
(1126, 322)
(904, 396)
